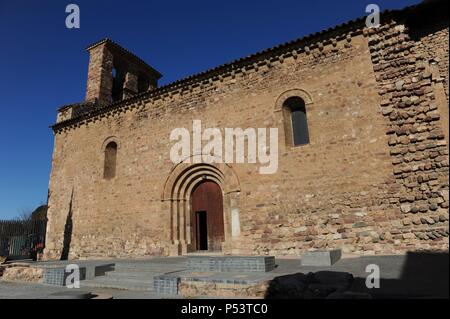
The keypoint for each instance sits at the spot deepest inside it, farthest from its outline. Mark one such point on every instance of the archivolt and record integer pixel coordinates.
(114, 139)
(290, 93)
(176, 197)
(184, 177)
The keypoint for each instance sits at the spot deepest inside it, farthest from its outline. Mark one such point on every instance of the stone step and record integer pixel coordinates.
(139, 271)
(134, 272)
(125, 278)
(94, 284)
(231, 263)
(127, 274)
(152, 268)
(117, 285)
(138, 266)
(132, 276)
(130, 280)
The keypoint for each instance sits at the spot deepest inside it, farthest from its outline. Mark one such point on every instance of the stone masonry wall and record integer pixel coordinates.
(100, 84)
(432, 45)
(432, 42)
(22, 273)
(417, 142)
(373, 180)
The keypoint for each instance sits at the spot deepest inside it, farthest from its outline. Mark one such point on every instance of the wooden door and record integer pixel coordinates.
(207, 208)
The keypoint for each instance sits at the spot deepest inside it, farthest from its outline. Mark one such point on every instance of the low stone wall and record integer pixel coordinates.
(188, 289)
(319, 285)
(23, 273)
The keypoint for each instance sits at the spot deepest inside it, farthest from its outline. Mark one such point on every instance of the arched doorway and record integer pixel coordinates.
(207, 217)
(176, 198)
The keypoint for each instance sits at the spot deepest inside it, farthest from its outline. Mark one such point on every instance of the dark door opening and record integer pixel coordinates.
(207, 217)
(202, 230)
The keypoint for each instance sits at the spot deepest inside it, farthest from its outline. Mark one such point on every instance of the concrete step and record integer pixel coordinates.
(141, 271)
(124, 272)
(137, 266)
(231, 263)
(124, 280)
(93, 284)
(145, 265)
(137, 286)
(132, 275)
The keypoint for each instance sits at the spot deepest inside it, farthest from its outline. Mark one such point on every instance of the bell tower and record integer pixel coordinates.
(115, 74)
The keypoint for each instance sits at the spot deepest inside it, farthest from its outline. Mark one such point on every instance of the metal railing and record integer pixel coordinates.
(22, 239)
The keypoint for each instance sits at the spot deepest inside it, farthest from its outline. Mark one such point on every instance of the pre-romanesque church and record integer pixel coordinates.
(362, 119)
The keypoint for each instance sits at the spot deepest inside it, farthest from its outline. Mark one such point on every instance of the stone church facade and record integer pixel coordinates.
(370, 178)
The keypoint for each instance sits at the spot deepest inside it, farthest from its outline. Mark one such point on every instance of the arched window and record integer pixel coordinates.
(295, 121)
(110, 160)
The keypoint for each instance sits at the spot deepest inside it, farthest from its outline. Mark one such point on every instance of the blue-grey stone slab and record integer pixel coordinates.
(321, 257)
(166, 284)
(57, 276)
(231, 263)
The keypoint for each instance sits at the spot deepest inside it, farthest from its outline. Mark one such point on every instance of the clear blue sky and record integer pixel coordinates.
(43, 64)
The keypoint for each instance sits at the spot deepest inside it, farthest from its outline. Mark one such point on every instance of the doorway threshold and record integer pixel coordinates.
(205, 253)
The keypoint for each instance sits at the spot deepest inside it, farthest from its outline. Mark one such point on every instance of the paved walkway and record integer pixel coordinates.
(418, 275)
(14, 290)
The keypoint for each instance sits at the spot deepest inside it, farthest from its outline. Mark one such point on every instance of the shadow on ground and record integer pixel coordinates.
(423, 275)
